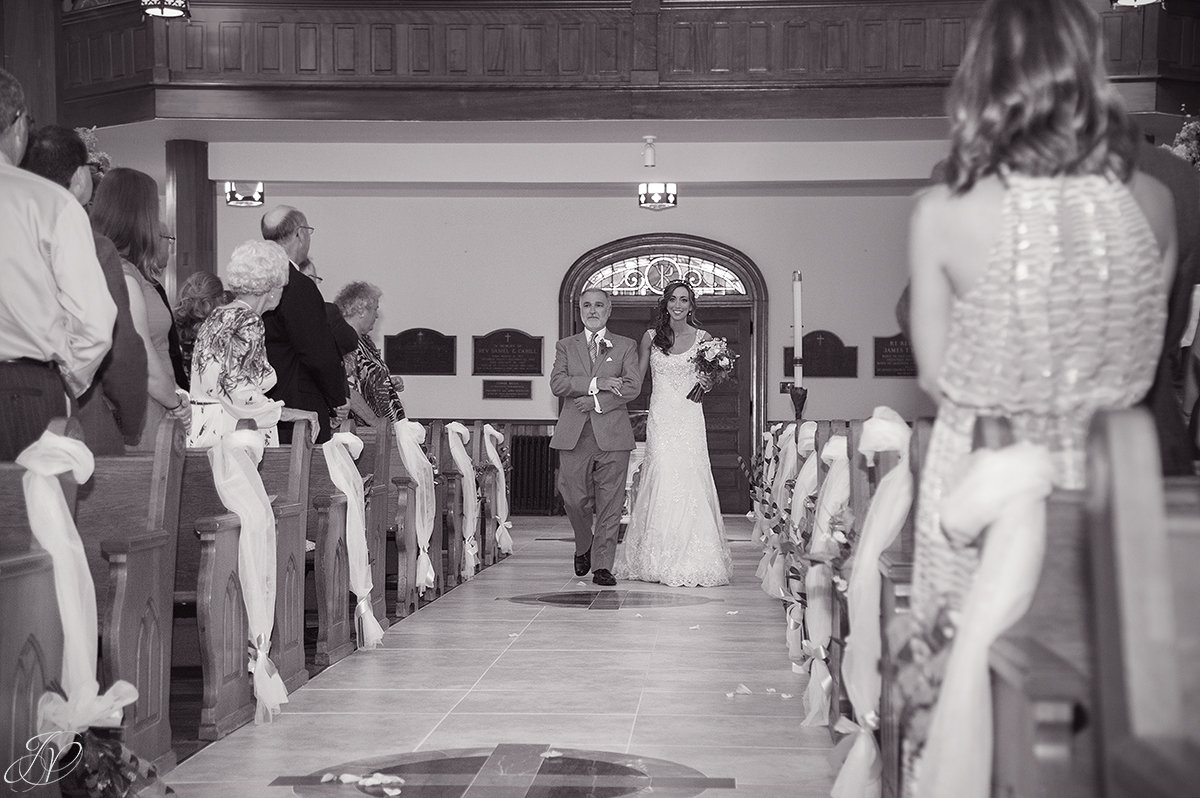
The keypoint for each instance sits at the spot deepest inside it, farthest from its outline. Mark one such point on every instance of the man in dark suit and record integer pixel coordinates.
(595, 374)
(300, 345)
(113, 409)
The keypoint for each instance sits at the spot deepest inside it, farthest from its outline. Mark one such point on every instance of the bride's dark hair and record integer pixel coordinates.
(664, 336)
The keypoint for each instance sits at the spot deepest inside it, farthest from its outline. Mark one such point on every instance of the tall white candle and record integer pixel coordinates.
(797, 328)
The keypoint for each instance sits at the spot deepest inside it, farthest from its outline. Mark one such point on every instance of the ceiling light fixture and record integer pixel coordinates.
(235, 198)
(655, 196)
(166, 8)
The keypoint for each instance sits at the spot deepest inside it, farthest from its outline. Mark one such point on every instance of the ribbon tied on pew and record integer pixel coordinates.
(818, 582)
(761, 491)
(234, 462)
(1003, 491)
(859, 777)
(409, 437)
(54, 530)
(340, 451)
(457, 436)
(491, 438)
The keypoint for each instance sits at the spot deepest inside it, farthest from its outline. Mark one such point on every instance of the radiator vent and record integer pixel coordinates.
(534, 468)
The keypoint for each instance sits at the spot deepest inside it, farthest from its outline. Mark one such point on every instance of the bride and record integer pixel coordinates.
(676, 535)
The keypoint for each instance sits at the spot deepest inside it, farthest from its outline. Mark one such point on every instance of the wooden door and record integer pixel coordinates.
(727, 410)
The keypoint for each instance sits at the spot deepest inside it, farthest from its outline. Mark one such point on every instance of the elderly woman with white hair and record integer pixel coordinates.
(373, 390)
(230, 372)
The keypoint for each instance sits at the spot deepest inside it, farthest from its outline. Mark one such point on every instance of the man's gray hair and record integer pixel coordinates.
(12, 99)
(292, 221)
(595, 289)
(356, 297)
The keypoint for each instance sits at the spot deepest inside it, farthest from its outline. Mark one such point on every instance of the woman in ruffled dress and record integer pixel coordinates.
(230, 371)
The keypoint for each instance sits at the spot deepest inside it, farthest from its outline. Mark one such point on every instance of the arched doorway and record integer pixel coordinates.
(732, 300)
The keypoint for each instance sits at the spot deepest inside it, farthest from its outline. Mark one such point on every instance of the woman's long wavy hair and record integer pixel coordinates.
(125, 210)
(1032, 97)
(664, 336)
(199, 296)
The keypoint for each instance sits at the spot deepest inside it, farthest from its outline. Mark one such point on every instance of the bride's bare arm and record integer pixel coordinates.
(644, 353)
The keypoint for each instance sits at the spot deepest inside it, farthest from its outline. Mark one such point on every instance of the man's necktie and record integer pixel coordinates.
(594, 347)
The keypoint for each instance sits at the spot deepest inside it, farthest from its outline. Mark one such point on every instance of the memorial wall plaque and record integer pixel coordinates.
(506, 351)
(508, 389)
(894, 357)
(824, 356)
(420, 351)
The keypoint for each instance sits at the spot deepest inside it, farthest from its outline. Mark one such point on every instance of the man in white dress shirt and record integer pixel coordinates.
(56, 314)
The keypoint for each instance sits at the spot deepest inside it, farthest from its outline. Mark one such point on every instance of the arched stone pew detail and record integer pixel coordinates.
(1144, 541)
(31, 635)
(127, 515)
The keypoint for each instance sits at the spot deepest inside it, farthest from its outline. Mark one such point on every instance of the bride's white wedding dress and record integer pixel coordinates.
(676, 535)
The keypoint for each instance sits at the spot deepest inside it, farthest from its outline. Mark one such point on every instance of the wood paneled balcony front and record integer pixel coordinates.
(570, 59)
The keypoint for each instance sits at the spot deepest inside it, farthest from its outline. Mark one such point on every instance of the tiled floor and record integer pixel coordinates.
(480, 696)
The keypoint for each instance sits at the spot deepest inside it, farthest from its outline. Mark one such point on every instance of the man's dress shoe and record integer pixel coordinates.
(583, 563)
(604, 577)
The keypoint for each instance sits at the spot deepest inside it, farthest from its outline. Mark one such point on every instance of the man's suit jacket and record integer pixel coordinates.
(113, 410)
(301, 349)
(572, 376)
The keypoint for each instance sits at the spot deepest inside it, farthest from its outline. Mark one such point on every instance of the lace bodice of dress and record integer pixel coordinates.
(672, 415)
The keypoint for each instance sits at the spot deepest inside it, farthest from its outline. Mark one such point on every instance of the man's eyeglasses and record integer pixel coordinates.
(24, 112)
(310, 230)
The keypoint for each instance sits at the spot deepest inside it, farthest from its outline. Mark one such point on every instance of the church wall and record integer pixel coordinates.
(466, 265)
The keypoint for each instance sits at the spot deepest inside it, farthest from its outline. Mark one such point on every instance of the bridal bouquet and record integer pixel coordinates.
(714, 363)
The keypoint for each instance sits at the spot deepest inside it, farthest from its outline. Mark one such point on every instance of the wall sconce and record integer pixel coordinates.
(235, 197)
(166, 8)
(1136, 3)
(655, 196)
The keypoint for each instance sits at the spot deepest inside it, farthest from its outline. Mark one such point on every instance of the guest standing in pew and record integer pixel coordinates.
(344, 335)
(231, 374)
(1040, 268)
(199, 296)
(56, 315)
(113, 409)
(300, 345)
(125, 210)
(373, 391)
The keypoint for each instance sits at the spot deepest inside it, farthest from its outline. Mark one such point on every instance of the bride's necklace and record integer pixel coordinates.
(693, 334)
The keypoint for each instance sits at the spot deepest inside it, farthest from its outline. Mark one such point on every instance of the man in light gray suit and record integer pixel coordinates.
(595, 374)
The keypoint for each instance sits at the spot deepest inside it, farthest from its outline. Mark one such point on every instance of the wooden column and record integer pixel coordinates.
(27, 50)
(191, 211)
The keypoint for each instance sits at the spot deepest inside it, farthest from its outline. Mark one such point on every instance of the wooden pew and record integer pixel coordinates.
(207, 588)
(402, 550)
(449, 510)
(895, 566)
(331, 569)
(31, 636)
(128, 519)
(1144, 541)
(374, 464)
(863, 481)
(487, 497)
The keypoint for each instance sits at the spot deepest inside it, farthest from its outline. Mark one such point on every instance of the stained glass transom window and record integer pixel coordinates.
(646, 275)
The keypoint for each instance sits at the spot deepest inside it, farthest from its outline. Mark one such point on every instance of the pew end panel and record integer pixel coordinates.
(1144, 541)
(331, 573)
(405, 542)
(228, 697)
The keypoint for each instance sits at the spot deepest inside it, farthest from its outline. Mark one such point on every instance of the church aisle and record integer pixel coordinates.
(498, 689)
